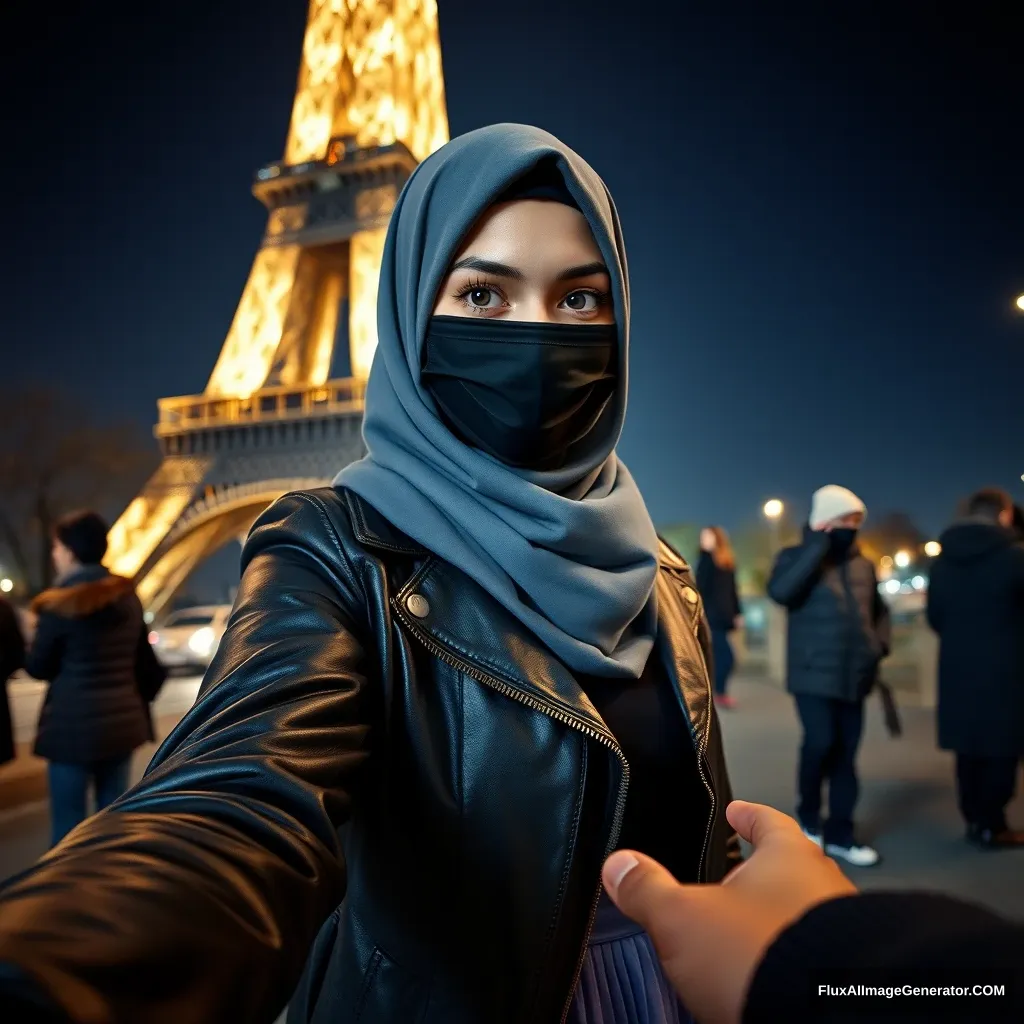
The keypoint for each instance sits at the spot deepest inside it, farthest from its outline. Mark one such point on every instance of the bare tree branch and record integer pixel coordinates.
(57, 458)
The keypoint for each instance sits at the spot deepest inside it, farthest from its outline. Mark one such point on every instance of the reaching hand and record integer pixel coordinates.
(711, 938)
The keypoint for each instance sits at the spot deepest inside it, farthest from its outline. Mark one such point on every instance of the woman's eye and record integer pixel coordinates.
(580, 302)
(483, 298)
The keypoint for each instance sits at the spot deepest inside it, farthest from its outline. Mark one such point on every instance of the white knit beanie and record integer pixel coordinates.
(832, 502)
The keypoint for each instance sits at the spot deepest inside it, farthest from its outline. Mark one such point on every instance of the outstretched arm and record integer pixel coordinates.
(196, 896)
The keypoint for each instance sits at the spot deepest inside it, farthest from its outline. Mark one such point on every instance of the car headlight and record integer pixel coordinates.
(201, 641)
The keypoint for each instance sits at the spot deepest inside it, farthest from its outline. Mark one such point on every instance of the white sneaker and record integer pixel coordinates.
(859, 856)
(815, 837)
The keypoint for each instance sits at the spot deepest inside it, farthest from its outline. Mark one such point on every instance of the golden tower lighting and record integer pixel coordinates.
(369, 104)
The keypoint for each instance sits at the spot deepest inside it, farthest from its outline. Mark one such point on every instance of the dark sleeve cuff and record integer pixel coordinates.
(883, 939)
(22, 1001)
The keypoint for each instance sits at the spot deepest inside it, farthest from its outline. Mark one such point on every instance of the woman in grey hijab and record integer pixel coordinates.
(472, 656)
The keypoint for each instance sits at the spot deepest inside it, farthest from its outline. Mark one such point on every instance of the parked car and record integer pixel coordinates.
(189, 638)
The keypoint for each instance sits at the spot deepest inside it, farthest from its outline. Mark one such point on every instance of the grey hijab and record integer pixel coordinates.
(572, 553)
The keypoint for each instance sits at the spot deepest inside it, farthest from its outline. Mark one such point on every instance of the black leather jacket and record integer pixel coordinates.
(476, 828)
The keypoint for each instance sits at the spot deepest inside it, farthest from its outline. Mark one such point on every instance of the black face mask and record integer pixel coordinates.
(522, 392)
(842, 539)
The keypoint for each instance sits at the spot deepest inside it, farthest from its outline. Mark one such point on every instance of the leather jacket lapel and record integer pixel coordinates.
(443, 604)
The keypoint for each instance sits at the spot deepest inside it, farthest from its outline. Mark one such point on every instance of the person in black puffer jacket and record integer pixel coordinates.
(716, 581)
(838, 634)
(91, 644)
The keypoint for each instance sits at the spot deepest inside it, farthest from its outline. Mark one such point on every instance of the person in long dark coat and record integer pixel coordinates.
(976, 605)
(716, 581)
(12, 657)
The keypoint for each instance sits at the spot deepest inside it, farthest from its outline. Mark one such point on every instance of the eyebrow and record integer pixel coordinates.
(515, 274)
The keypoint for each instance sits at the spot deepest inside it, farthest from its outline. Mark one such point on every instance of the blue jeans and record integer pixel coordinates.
(724, 659)
(69, 787)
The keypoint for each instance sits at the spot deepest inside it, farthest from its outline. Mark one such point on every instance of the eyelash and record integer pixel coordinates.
(479, 284)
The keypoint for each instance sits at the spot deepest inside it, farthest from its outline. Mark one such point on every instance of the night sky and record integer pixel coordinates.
(824, 216)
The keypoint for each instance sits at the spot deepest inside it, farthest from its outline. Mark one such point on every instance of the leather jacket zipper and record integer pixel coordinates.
(566, 719)
(702, 761)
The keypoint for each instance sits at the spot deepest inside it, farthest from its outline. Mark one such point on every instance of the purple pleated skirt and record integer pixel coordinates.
(622, 981)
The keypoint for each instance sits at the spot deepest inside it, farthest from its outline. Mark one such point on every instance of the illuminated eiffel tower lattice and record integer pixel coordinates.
(369, 105)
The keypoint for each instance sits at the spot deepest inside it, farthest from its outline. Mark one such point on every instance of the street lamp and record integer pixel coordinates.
(933, 549)
(6, 585)
(902, 559)
(1020, 302)
(773, 513)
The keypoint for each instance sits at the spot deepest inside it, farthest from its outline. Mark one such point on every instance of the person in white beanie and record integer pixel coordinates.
(838, 632)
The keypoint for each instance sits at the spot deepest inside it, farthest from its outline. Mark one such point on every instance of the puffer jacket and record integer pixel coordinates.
(362, 685)
(839, 626)
(88, 645)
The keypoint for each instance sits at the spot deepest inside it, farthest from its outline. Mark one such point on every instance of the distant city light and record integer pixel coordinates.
(6, 585)
(933, 549)
(773, 509)
(918, 582)
(886, 561)
(892, 586)
(902, 559)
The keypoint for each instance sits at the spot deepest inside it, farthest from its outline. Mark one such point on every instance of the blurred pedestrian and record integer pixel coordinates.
(976, 605)
(12, 657)
(91, 644)
(838, 633)
(716, 581)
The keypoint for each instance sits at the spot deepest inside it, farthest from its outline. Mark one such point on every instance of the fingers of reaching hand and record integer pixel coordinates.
(759, 824)
(639, 886)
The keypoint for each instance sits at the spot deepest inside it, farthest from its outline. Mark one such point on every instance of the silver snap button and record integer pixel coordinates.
(690, 594)
(418, 605)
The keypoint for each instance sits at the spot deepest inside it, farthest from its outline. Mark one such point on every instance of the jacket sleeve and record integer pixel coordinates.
(883, 621)
(885, 939)
(43, 658)
(150, 675)
(737, 606)
(936, 599)
(795, 569)
(12, 644)
(222, 864)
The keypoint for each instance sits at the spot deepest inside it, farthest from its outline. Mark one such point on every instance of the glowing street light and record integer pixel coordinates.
(773, 509)
(933, 549)
(902, 559)
(1020, 302)
(6, 585)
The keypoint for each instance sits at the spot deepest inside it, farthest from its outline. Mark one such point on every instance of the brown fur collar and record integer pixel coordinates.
(82, 599)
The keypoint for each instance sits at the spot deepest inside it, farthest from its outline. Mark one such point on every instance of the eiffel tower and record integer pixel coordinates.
(369, 105)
